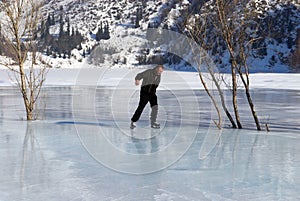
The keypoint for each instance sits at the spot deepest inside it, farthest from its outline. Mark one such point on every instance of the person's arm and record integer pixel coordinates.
(140, 76)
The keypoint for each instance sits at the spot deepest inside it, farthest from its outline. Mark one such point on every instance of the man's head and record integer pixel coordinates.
(159, 69)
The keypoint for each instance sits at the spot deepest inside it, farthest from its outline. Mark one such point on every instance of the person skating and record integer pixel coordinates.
(151, 80)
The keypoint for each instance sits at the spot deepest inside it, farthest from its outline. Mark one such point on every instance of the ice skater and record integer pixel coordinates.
(151, 80)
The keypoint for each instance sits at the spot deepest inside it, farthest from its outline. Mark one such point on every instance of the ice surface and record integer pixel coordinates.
(64, 155)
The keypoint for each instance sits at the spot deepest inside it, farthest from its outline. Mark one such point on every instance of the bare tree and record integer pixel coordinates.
(199, 31)
(208, 91)
(231, 25)
(233, 20)
(225, 30)
(20, 21)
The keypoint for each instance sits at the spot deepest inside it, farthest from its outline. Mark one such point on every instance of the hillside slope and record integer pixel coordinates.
(128, 21)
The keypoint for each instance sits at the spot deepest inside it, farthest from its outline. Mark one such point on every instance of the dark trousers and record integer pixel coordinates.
(144, 99)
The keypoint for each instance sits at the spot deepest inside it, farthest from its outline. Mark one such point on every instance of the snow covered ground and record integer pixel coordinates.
(83, 149)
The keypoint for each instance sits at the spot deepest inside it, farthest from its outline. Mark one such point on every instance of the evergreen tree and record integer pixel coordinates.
(68, 52)
(67, 40)
(68, 27)
(103, 32)
(61, 26)
(106, 32)
(137, 20)
(42, 29)
(48, 51)
(73, 33)
(290, 42)
(139, 16)
(52, 19)
(47, 30)
(99, 34)
(49, 21)
(61, 22)
(78, 39)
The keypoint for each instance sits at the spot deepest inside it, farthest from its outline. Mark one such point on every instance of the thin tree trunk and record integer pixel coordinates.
(32, 89)
(246, 80)
(219, 124)
(222, 99)
(234, 97)
(24, 94)
(227, 34)
(249, 99)
(252, 109)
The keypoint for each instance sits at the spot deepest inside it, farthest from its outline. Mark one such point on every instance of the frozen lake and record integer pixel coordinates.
(83, 149)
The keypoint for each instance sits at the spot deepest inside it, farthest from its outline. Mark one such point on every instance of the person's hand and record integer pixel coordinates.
(137, 82)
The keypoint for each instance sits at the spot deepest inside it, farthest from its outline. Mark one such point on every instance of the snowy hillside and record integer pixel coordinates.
(128, 20)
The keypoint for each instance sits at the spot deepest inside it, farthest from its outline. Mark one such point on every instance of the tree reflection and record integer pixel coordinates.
(33, 162)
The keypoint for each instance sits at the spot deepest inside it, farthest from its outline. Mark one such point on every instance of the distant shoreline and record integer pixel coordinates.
(123, 78)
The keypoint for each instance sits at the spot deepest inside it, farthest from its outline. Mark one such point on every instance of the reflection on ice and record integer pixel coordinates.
(31, 154)
(47, 160)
